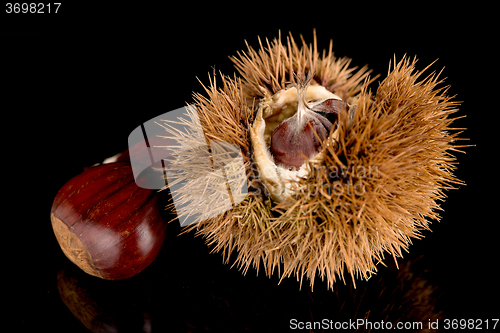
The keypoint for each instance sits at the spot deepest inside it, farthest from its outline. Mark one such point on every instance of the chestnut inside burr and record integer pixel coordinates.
(291, 147)
(299, 127)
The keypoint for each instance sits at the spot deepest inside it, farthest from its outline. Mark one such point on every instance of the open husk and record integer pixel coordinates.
(375, 187)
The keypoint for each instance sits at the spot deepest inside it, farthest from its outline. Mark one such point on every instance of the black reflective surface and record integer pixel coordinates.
(73, 94)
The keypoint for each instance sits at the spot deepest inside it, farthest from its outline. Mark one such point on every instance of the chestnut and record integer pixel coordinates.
(106, 224)
(293, 143)
(298, 138)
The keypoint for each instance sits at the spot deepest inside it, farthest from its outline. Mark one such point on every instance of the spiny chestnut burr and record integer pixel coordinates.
(337, 215)
(299, 137)
(106, 224)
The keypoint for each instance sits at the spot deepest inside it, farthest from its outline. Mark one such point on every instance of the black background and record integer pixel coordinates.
(76, 83)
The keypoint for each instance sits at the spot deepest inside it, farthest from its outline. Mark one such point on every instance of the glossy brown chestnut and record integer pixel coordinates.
(299, 137)
(106, 224)
(290, 145)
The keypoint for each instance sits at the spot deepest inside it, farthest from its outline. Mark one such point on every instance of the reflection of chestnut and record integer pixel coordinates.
(102, 307)
(106, 224)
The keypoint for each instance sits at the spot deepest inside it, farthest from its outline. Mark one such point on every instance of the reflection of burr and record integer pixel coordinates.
(400, 297)
(368, 185)
(183, 299)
